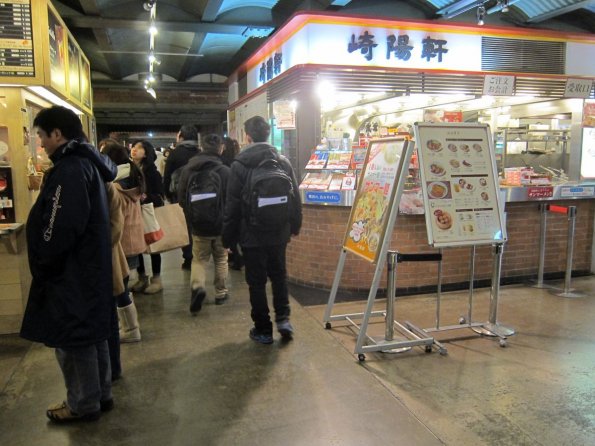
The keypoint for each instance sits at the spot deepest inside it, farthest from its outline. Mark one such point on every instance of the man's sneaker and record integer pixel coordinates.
(285, 330)
(221, 300)
(197, 297)
(187, 265)
(262, 338)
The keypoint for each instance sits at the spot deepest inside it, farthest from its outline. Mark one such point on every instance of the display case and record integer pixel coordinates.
(538, 147)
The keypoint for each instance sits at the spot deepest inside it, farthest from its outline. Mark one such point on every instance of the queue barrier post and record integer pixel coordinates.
(570, 211)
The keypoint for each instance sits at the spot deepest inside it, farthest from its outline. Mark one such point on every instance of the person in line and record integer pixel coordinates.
(68, 242)
(143, 155)
(186, 148)
(264, 252)
(231, 149)
(203, 199)
(130, 184)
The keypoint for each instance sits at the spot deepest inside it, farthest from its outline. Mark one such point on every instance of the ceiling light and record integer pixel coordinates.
(148, 5)
(153, 29)
(481, 13)
(504, 4)
(152, 57)
(151, 91)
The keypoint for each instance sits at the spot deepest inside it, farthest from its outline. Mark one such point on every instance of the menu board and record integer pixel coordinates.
(460, 184)
(74, 75)
(85, 82)
(16, 39)
(57, 52)
(368, 221)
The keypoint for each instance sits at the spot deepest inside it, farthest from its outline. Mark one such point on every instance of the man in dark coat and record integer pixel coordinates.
(69, 246)
(186, 148)
(207, 226)
(264, 254)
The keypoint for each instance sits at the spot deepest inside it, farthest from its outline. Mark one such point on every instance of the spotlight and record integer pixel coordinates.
(504, 6)
(481, 13)
(152, 57)
(153, 30)
(151, 91)
(148, 5)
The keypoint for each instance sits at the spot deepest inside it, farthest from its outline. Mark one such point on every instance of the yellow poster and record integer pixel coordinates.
(367, 224)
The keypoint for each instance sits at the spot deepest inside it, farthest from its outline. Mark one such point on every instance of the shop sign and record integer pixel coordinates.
(578, 88)
(540, 192)
(578, 191)
(270, 68)
(498, 85)
(323, 197)
(397, 47)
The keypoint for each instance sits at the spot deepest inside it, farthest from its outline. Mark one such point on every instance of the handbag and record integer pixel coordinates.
(152, 229)
(175, 231)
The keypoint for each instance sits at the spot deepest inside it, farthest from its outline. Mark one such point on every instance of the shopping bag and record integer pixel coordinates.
(175, 232)
(153, 231)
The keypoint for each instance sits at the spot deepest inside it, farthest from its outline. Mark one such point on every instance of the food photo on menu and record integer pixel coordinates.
(438, 190)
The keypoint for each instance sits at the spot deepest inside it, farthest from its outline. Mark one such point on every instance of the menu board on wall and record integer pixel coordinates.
(459, 184)
(16, 39)
(367, 226)
(85, 82)
(74, 71)
(57, 52)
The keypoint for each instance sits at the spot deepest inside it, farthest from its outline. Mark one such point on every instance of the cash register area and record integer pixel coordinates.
(202, 381)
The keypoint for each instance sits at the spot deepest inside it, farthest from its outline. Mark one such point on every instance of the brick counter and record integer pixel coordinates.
(312, 256)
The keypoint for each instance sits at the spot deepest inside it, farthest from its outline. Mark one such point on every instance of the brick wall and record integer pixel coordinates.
(312, 256)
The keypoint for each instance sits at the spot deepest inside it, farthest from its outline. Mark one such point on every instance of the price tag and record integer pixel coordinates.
(578, 88)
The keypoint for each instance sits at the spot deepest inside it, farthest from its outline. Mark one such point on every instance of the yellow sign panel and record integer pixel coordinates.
(366, 229)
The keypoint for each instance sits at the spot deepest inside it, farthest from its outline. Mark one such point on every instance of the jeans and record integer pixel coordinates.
(202, 249)
(87, 375)
(260, 263)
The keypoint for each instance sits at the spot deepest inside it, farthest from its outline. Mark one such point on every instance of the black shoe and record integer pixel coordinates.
(221, 300)
(260, 337)
(106, 405)
(187, 265)
(197, 297)
(285, 330)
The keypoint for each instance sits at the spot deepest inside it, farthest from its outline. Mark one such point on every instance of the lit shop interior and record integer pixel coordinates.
(326, 102)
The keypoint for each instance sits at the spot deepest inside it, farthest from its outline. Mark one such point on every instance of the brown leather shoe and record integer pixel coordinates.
(61, 413)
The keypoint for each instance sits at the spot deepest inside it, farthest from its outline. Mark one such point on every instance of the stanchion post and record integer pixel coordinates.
(391, 291)
(570, 247)
(542, 231)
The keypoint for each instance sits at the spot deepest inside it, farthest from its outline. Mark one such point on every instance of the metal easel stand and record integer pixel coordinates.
(492, 327)
(407, 338)
(567, 291)
(464, 322)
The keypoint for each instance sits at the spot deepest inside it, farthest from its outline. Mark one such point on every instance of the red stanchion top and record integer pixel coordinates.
(558, 209)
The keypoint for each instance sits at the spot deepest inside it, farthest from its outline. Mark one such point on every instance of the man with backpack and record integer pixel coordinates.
(263, 209)
(186, 148)
(201, 193)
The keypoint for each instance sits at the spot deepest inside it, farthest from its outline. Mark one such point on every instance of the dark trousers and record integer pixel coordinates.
(155, 264)
(113, 345)
(262, 263)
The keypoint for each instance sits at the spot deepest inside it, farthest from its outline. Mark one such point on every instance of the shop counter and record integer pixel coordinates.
(312, 256)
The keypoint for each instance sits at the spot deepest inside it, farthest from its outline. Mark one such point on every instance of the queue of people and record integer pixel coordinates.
(85, 234)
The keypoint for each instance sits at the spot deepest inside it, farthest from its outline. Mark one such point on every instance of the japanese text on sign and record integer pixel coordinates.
(498, 86)
(398, 47)
(270, 67)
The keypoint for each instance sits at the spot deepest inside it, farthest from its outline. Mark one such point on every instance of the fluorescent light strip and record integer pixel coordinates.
(48, 95)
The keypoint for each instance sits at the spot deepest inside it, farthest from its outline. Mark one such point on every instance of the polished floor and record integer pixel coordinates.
(202, 381)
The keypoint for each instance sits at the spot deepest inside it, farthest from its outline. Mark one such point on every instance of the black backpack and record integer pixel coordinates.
(205, 200)
(268, 197)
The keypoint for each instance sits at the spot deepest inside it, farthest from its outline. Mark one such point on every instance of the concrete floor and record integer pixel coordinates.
(202, 381)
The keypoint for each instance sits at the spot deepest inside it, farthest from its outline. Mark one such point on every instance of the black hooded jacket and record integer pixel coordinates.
(235, 229)
(193, 165)
(69, 247)
(178, 157)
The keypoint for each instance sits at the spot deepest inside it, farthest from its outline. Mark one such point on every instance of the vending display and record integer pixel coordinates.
(6, 196)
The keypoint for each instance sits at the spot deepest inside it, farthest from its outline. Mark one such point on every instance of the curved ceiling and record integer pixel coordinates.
(214, 36)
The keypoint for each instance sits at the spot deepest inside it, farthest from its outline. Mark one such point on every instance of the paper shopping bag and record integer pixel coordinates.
(153, 231)
(175, 232)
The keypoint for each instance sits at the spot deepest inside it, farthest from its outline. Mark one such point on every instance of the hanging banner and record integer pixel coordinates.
(367, 226)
